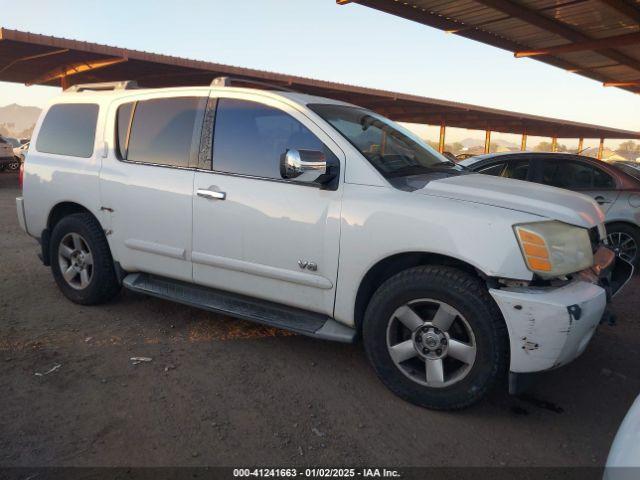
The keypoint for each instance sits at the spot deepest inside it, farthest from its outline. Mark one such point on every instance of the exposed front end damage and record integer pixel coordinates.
(545, 328)
(549, 326)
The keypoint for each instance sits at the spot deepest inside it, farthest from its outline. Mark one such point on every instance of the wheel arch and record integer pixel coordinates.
(623, 221)
(393, 264)
(57, 213)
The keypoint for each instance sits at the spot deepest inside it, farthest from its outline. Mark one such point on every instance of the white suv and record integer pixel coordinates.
(320, 217)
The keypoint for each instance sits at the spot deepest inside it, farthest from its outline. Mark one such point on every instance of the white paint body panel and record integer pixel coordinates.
(624, 457)
(250, 242)
(542, 334)
(550, 202)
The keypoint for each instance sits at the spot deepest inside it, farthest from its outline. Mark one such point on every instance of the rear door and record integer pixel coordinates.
(579, 176)
(147, 182)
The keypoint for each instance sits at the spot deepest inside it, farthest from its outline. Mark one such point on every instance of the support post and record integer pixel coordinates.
(601, 149)
(554, 144)
(580, 144)
(523, 143)
(64, 82)
(443, 129)
(487, 141)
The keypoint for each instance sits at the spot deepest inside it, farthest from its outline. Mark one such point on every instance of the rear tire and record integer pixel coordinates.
(435, 337)
(81, 261)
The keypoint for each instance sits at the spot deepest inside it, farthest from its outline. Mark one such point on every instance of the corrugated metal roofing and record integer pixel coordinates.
(518, 25)
(45, 60)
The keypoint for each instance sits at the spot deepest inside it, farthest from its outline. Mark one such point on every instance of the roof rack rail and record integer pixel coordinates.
(103, 86)
(231, 81)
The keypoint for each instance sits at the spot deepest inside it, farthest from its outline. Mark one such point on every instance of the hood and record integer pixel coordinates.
(554, 203)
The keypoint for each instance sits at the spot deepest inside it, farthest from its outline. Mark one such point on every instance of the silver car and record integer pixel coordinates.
(617, 192)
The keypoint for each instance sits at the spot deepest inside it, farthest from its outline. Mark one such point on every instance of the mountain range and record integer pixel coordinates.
(18, 120)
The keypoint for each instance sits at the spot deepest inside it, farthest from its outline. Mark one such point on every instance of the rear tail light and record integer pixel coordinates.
(21, 175)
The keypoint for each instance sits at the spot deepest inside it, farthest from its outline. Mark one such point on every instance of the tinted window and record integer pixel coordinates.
(494, 169)
(574, 175)
(123, 121)
(69, 129)
(250, 138)
(517, 169)
(163, 130)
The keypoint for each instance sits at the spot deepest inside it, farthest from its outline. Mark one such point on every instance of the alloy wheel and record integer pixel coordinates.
(624, 245)
(431, 343)
(75, 260)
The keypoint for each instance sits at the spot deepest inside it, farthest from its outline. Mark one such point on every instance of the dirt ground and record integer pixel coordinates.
(220, 391)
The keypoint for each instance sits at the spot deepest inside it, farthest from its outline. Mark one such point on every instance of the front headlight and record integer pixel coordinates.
(553, 249)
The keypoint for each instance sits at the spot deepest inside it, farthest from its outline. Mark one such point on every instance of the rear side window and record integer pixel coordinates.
(250, 138)
(69, 129)
(575, 175)
(164, 130)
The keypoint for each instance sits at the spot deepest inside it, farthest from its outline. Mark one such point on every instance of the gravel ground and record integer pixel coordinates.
(220, 391)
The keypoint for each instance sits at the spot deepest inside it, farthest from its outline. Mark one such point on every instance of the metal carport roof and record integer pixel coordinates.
(599, 39)
(44, 60)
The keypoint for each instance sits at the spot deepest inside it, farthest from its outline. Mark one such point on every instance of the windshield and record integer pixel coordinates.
(393, 150)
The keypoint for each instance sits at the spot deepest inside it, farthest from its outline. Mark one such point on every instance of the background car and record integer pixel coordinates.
(617, 192)
(6, 154)
(20, 152)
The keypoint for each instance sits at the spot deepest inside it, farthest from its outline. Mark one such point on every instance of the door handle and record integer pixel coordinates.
(601, 200)
(211, 194)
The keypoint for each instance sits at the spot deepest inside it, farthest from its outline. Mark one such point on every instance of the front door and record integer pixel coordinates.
(253, 232)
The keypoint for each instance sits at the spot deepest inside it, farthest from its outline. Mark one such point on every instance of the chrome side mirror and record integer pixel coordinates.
(303, 166)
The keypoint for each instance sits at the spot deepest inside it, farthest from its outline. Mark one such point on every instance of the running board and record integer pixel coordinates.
(234, 305)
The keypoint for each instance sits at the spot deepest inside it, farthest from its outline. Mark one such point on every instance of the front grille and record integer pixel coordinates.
(594, 237)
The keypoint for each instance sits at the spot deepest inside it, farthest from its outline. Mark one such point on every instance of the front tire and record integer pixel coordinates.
(81, 261)
(625, 241)
(435, 337)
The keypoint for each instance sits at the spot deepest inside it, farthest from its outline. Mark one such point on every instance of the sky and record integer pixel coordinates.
(319, 39)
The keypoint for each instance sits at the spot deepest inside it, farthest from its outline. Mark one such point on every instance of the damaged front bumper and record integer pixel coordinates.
(551, 326)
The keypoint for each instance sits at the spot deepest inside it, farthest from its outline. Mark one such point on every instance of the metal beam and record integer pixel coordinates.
(545, 23)
(580, 145)
(635, 83)
(33, 57)
(599, 44)
(523, 143)
(74, 69)
(487, 141)
(601, 149)
(554, 144)
(624, 8)
(443, 129)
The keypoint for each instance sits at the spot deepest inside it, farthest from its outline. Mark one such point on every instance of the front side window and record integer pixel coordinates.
(517, 169)
(494, 169)
(574, 175)
(250, 138)
(163, 131)
(391, 149)
(69, 129)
